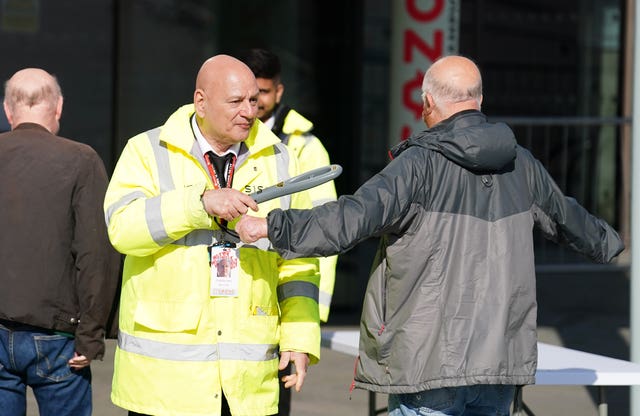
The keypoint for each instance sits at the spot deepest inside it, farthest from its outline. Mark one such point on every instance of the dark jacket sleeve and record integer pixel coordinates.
(563, 220)
(97, 262)
(377, 207)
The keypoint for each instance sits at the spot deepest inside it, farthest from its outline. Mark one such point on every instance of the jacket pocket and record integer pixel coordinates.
(54, 353)
(168, 317)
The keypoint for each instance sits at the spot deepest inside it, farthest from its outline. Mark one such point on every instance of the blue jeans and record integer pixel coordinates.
(38, 358)
(478, 400)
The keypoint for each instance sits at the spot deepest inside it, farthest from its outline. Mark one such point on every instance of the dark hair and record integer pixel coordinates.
(263, 63)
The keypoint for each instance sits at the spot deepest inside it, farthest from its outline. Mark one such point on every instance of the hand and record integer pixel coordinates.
(78, 361)
(251, 229)
(300, 361)
(227, 203)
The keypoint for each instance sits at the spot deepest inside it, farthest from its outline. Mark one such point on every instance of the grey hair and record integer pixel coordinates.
(445, 93)
(48, 94)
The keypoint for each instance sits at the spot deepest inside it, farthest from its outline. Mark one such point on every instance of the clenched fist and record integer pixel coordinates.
(227, 203)
(251, 229)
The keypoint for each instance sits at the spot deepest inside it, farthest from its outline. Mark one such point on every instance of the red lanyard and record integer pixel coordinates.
(214, 175)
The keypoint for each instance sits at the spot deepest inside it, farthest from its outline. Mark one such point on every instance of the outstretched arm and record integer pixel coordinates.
(380, 205)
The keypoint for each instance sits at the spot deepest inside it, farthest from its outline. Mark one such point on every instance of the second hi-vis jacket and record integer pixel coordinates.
(296, 134)
(178, 347)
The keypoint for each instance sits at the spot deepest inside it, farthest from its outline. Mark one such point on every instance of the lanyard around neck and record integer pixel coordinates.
(214, 174)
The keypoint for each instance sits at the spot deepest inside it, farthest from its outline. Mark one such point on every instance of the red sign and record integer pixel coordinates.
(422, 32)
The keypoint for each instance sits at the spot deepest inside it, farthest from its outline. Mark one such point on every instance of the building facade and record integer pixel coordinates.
(558, 72)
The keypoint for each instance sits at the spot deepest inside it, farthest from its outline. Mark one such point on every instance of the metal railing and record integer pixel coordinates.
(582, 154)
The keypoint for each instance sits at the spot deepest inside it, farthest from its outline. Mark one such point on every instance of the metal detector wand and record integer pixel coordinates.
(298, 183)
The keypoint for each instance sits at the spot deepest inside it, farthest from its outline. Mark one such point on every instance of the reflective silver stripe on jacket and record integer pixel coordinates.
(153, 213)
(282, 170)
(297, 288)
(308, 137)
(153, 206)
(162, 161)
(196, 152)
(153, 216)
(200, 237)
(324, 298)
(199, 352)
(243, 155)
(125, 200)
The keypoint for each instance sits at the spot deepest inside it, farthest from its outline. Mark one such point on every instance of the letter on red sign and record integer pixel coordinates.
(413, 41)
(425, 15)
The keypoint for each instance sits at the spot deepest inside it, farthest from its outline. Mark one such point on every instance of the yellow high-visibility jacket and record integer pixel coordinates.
(311, 154)
(178, 347)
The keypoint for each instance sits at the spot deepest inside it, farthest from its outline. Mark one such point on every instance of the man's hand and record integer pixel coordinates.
(227, 203)
(251, 229)
(78, 361)
(300, 361)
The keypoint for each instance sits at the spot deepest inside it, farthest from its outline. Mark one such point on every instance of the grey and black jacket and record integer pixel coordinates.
(451, 299)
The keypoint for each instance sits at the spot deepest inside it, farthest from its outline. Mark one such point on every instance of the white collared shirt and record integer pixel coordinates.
(206, 147)
(270, 122)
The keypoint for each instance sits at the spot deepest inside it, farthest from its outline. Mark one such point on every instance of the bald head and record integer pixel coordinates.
(32, 95)
(451, 84)
(225, 101)
(221, 69)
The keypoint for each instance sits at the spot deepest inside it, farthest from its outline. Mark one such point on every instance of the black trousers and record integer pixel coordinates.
(284, 404)
(225, 409)
(225, 405)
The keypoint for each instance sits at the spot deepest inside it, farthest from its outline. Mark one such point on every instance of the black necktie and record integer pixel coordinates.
(219, 164)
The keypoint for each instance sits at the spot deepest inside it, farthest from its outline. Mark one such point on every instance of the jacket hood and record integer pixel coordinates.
(288, 121)
(468, 140)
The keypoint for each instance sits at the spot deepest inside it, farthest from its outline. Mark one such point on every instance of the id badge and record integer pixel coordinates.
(224, 271)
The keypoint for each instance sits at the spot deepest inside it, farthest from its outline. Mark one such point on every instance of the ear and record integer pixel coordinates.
(199, 102)
(427, 107)
(279, 92)
(59, 108)
(8, 113)
(430, 102)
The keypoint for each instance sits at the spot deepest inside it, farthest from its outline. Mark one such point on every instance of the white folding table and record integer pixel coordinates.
(556, 366)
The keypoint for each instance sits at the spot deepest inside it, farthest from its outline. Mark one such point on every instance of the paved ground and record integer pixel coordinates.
(586, 311)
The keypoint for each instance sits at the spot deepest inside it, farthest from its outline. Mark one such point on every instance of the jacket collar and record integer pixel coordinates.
(467, 139)
(280, 114)
(31, 126)
(177, 132)
(288, 121)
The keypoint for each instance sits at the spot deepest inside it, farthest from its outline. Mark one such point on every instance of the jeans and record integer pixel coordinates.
(38, 358)
(478, 400)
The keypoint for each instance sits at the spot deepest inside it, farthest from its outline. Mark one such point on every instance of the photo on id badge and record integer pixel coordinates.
(224, 271)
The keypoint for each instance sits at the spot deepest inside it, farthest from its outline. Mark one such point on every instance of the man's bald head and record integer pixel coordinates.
(451, 84)
(33, 95)
(225, 101)
(216, 70)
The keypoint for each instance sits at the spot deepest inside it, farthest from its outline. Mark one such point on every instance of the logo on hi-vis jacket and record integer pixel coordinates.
(249, 189)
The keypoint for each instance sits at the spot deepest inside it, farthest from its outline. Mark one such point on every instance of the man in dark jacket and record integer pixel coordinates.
(449, 318)
(59, 271)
